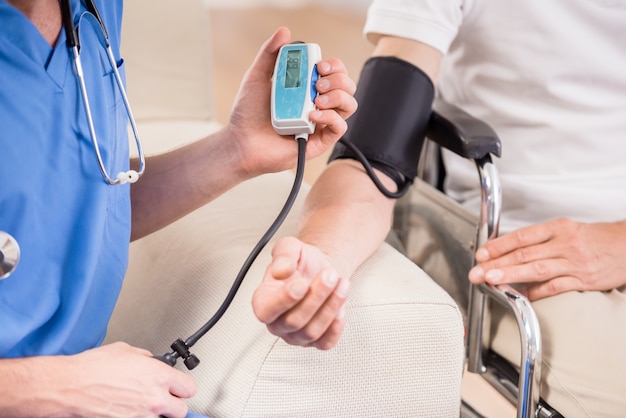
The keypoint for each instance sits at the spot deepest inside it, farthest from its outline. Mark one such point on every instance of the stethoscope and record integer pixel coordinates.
(9, 254)
(9, 248)
(73, 43)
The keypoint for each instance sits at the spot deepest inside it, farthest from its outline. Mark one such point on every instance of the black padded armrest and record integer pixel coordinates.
(461, 133)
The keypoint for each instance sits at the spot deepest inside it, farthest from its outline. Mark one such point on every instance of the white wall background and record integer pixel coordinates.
(354, 6)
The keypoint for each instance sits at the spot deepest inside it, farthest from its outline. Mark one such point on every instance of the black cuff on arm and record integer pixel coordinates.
(395, 102)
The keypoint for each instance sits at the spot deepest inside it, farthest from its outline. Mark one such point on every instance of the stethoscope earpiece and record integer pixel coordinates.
(130, 176)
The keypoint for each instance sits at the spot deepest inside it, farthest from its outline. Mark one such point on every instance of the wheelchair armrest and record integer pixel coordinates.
(461, 133)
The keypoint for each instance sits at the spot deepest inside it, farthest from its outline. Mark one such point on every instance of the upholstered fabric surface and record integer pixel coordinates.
(401, 353)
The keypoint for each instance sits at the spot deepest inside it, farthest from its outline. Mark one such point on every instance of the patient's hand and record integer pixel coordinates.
(555, 257)
(302, 298)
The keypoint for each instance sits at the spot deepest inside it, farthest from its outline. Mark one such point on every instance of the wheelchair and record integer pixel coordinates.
(441, 236)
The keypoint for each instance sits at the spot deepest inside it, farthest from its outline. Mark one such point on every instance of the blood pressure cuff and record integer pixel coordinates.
(394, 105)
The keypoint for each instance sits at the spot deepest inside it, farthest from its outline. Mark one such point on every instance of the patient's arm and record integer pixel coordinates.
(347, 219)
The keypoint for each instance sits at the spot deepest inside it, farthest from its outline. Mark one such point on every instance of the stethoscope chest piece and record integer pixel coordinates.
(9, 254)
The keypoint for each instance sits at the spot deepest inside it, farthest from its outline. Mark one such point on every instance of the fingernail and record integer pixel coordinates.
(323, 84)
(322, 100)
(281, 262)
(494, 276)
(343, 288)
(298, 288)
(281, 266)
(476, 274)
(330, 278)
(482, 255)
(342, 313)
(324, 66)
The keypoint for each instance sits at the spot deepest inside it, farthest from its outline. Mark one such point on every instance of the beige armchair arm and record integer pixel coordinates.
(401, 353)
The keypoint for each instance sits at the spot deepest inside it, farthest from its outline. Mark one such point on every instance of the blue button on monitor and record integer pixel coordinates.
(314, 77)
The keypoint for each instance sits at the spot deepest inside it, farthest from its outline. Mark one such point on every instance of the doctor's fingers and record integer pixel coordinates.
(321, 305)
(330, 127)
(338, 78)
(338, 100)
(159, 389)
(173, 407)
(330, 66)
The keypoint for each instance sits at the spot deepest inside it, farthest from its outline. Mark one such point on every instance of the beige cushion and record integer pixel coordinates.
(401, 353)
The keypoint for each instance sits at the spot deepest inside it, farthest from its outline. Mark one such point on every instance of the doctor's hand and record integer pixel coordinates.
(302, 299)
(555, 257)
(260, 149)
(118, 380)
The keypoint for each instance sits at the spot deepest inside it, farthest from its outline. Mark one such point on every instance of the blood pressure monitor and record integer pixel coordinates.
(293, 92)
(293, 88)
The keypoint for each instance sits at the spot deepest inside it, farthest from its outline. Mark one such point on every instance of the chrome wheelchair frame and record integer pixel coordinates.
(461, 234)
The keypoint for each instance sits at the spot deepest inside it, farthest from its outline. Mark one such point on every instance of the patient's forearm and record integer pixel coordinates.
(346, 216)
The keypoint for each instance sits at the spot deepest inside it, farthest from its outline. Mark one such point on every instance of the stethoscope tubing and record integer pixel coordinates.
(73, 42)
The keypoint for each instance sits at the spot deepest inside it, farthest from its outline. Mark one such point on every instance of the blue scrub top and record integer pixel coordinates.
(73, 228)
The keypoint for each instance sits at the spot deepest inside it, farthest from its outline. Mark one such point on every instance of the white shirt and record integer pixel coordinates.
(550, 77)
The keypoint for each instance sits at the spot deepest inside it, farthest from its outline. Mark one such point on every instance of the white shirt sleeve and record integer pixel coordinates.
(433, 22)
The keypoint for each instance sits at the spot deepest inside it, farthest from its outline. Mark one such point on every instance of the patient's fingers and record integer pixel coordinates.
(553, 287)
(297, 318)
(520, 238)
(332, 334)
(285, 256)
(324, 328)
(273, 298)
(281, 268)
(302, 297)
(310, 319)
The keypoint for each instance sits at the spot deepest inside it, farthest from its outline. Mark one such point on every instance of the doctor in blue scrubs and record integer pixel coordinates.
(74, 227)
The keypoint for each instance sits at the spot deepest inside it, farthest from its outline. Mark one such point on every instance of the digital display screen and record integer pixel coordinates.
(292, 74)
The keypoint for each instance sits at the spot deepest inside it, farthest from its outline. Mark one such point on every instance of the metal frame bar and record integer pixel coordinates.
(529, 384)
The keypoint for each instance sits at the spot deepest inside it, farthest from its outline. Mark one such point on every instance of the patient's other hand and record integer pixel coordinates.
(555, 257)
